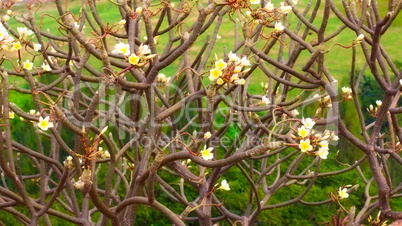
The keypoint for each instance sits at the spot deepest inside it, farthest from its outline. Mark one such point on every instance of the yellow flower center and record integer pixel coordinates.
(133, 59)
(216, 73)
(44, 124)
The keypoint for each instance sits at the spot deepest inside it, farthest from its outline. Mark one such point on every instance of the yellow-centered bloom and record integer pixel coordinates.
(255, 2)
(44, 123)
(303, 132)
(27, 65)
(220, 64)
(219, 81)
(224, 185)
(11, 114)
(122, 48)
(343, 193)
(215, 73)
(305, 145)
(323, 152)
(206, 153)
(16, 46)
(308, 123)
(133, 59)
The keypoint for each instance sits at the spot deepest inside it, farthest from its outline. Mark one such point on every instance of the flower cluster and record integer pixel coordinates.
(162, 79)
(103, 154)
(310, 139)
(138, 59)
(374, 111)
(228, 72)
(325, 102)
(347, 93)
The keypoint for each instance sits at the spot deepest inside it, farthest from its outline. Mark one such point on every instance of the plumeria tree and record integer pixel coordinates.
(148, 110)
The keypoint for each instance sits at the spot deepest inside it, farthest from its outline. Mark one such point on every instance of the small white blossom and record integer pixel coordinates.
(122, 49)
(265, 100)
(207, 135)
(269, 7)
(224, 185)
(379, 103)
(24, 32)
(255, 2)
(44, 123)
(285, 9)
(308, 123)
(206, 153)
(27, 65)
(37, 47)
(279, 27)
(343, 194)
(359, 38)
(46, 67)
(323, 152)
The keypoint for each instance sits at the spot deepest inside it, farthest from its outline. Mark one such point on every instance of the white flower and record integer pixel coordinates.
(244, 62)
(220, 64)
(308, 123)
(11, 114)
(143, 50)
(279, 27)
(266, 100)
(77, 25)
(44, 123)
(400, 82)
(323, 152)
(162, 78)
(255, 2)
(9, 12)
(27, 65)
(23, 31)
(235, 58)
(207, 135)
(218, 36)
(295, 112)
(122, 22)
(240, 82)
(106, 154)
(46, 67)
(285, 9)
(343, 194)
(32, 111)
(346, 90)
(206, 153)
(122, 48)
(6, 17)
(224, 185)
(37, 47)
(379, 103)
(269, 7)
(138, 10)
(303, 132)
(359, 38)
(295, 2)
(16, 46)
(305, 145)
(133, 59)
